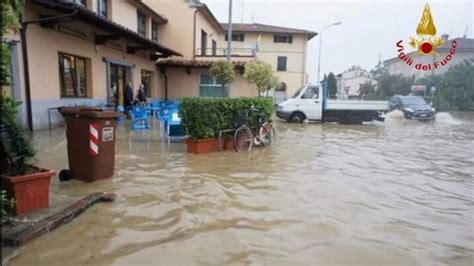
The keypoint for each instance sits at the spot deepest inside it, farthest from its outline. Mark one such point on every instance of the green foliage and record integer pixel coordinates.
(11, 10)
(389, 85)
(5, 202)
(261, 74)
(354, 67)
(223, 71)
(332, 85)
(204, 117)
(16, 148)
(454, 89)
(325, 78)
(367, 90)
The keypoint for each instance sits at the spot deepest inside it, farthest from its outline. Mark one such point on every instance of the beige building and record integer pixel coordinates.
(74, 52)
(348, 83)
(464, 50)
(285, 49)
(84, 52)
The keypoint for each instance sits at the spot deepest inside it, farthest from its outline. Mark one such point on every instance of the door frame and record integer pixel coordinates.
(129, 73)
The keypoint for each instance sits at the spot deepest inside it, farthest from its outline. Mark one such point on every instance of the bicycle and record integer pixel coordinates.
(245, 136)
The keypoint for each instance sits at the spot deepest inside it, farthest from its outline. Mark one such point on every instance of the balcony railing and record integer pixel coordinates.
(222, 52)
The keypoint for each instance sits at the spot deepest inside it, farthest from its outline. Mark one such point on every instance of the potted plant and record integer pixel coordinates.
(203, 118)
(28, 185)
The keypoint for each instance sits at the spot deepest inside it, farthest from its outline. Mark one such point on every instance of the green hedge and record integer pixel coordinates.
(205, 117)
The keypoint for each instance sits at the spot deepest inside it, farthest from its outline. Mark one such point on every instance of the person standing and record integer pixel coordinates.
(141, 96)
(128, 99)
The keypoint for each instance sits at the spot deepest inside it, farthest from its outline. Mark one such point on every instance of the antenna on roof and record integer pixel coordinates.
(465, 32)
(253, 17)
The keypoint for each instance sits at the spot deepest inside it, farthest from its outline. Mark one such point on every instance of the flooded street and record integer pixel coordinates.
(399, 192)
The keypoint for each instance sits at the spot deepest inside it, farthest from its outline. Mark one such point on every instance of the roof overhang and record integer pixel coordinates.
(152, 13)
(110, 29)
(204, 9)
(194, 63)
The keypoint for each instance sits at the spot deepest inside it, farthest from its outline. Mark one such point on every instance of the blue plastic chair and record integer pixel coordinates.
(139, 118)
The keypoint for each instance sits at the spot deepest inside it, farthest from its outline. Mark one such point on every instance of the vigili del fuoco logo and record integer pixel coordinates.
(426, 44)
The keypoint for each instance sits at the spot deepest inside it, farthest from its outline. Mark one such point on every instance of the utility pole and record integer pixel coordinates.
(229, 33)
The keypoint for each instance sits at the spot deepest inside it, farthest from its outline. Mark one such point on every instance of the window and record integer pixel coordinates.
(236, 37)
(282, 38)
(146, 81)
(141, 24)
(102, 8)
(203, 42)
(81, 2)
(214, 47)
(310, 93)
(281, 64)
(72, 76)
(154, 31)
(208, 87)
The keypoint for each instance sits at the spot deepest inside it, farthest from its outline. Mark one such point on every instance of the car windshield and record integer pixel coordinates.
(413, 101)
(297, 92)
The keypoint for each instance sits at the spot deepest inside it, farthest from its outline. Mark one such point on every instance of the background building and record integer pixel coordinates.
(464, 50)
(348, 82)
(285, 49)
(84, 52)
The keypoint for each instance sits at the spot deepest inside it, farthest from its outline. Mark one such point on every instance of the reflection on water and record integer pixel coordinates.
(396, 192)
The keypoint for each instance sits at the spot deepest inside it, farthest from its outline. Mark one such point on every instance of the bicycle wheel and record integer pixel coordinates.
(243, 139)
(267, 134)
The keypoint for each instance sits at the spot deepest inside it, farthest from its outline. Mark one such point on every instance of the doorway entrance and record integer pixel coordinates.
(119, 78)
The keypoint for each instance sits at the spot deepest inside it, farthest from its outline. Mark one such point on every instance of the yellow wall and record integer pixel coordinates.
(202, 23)
(43, 48)
(294, 76)
(124, 13)
(178, 32)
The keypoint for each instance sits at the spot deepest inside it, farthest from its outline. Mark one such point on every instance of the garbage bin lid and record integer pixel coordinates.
(93, 112)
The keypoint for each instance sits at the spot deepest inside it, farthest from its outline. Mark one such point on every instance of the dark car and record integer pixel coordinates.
(413, 107)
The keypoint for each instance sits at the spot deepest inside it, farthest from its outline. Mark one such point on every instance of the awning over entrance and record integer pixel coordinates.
(109, 30)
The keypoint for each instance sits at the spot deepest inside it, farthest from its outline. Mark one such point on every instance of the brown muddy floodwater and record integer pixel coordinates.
(399, 192)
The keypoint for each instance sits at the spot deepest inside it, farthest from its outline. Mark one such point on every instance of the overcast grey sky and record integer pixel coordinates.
(368, 28)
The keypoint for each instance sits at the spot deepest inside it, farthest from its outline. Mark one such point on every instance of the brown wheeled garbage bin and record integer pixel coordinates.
(91, 137)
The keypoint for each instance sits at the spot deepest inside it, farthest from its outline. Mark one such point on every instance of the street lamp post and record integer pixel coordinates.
(229, 33)
(320, 43)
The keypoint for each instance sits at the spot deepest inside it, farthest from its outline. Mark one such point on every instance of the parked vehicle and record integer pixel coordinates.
(413, 107)
(311, 103)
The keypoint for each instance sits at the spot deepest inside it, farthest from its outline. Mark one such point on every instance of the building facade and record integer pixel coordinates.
(348, 83)
(464, 50)
(84, 52)
(285, 49)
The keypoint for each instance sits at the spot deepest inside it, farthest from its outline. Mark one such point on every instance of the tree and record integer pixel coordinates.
(379, 70)
(332, 85)
(11, 10)
(223, 71)
(354, 67)
(454, 89)
(367, 90)
(261, 74)
(389, 85)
